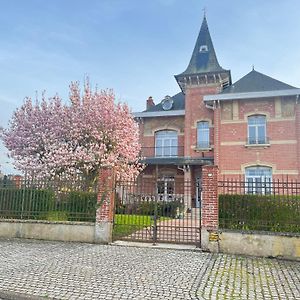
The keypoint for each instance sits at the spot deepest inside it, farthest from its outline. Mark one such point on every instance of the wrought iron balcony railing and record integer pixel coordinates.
(162, 152)
(263, 140)
(203, 145)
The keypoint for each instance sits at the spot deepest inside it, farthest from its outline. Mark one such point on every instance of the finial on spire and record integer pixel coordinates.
(204, 12)
(252, 67)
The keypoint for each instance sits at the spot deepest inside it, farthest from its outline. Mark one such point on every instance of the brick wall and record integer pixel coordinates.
(195, 110)
(105, 197)
(210, 202)
(281, 129)
(229, 132)
(149, 126)
(297, 125)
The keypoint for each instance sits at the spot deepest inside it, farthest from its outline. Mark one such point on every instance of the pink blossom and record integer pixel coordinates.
(49, 138)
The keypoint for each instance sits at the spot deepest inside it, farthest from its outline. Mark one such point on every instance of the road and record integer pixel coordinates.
(31, 269)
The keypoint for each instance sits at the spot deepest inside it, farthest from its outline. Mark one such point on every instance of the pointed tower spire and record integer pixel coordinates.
(204, 61)
(204, 57)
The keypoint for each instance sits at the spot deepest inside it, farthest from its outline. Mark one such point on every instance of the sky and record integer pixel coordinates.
(135, 47)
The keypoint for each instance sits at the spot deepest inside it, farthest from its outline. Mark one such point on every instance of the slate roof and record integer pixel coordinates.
(178, 103)
(203, 61)
(256, 82)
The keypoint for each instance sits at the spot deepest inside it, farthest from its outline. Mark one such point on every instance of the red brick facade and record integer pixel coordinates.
(105, 197)
(210, 209)
(239, 146)
(229, 132)
(280, 152)
(195, 111)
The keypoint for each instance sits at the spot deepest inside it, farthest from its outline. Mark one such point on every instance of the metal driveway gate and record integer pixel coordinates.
(151, 210)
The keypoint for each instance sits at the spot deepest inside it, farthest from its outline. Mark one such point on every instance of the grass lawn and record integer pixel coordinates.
(127, 224)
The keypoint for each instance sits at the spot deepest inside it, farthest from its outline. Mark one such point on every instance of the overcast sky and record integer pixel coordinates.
(136, 46)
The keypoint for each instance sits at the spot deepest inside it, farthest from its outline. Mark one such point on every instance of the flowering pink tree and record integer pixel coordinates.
(49, 138)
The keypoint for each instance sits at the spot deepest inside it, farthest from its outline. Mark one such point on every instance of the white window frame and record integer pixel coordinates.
(203, 138)
(203, 48)
(258, 180)
(257, 139)
(166, 143)
(168, 188)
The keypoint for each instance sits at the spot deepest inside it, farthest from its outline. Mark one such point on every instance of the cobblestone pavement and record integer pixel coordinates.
(56, 270)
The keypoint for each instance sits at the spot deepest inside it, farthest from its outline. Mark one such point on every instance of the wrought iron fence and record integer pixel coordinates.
(268, 206)
(156, 210)
(56, 200)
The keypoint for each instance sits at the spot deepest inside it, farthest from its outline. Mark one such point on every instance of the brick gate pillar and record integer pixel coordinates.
(209, 209)
(297, 125)
(105, 210)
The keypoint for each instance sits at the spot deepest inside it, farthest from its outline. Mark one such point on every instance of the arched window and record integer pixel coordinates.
(257, 130)
(166, 143)
(203, 135)
(258, 180)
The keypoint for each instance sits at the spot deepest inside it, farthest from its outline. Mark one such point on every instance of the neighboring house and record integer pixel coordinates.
(249, 129)
(13, 181)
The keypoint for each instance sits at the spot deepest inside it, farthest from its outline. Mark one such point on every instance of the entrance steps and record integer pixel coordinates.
(194, 214)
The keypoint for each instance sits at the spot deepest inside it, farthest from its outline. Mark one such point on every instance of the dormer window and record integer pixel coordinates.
(167, 103)
(203, 48)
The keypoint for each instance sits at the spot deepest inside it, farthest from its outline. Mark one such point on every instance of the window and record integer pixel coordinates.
(166, 188)
(203, 48)
(203, 135)
(166, 143)
(258, 180)
(257, 130)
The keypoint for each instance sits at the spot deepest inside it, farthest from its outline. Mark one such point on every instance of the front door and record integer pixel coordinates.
(166, 188)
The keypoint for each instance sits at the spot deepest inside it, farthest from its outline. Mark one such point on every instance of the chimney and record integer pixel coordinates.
(149, 102)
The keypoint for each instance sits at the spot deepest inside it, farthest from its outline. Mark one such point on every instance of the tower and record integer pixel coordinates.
(203, 76)
(204, 68)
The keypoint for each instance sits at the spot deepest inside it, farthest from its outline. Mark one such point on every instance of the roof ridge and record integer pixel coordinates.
(255, 81)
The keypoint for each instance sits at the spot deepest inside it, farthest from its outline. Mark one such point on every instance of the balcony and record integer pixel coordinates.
(172, 155)
(203, 146)
(162, 152)
(258, 142)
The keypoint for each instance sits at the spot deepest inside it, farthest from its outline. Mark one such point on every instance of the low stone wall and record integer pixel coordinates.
(262, 244)
(45, 230)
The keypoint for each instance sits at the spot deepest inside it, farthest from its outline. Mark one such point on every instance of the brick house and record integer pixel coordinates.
(249, 129)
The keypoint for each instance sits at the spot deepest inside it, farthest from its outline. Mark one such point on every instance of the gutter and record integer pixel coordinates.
(251, 95)
(150, 114)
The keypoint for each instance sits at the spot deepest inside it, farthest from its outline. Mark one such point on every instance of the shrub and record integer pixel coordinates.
(151, 208)
(55, 216)
(81, 206)
(278, 213)
(46, 205)
(25, 203)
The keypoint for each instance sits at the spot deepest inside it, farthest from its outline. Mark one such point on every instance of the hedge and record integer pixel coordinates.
(170, 209)
(81, 206)
(25, 203)
(278, 213)
(43, 205)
